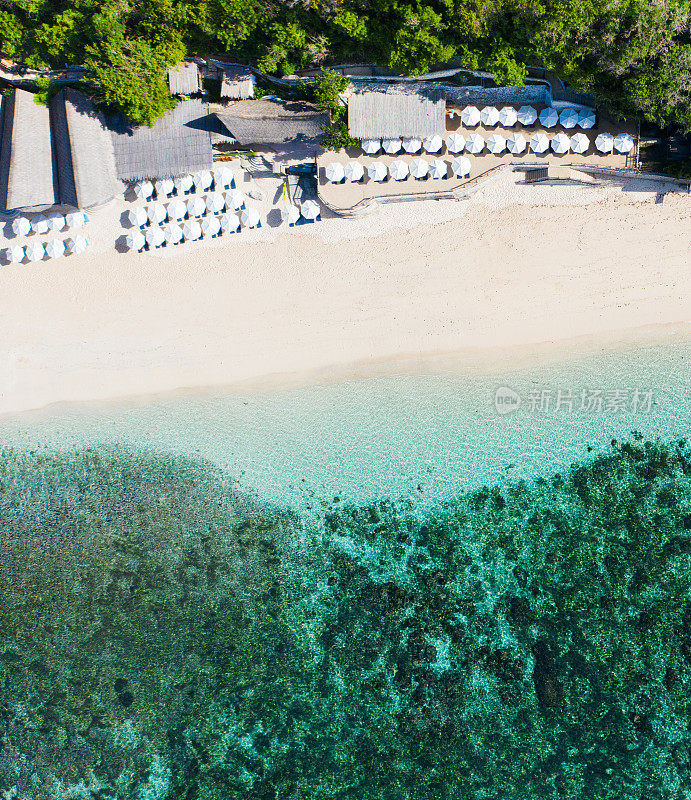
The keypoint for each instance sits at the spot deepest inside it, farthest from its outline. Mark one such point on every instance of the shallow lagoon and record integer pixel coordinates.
(425, 434)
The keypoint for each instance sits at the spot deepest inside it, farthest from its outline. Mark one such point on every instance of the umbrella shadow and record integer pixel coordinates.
(121, 244)
(125, 220)
(273, 218)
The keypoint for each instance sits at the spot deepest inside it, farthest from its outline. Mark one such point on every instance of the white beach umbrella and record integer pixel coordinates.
(135, 240)
(250, 218)
(470, 116)
(195, 207)
(433, 144)
(15, 254)
(157, 213)
(568, 118)
(474, 144)
(438, 169)
(371, 146)
(419, 168)
(412, 144)
(461, 167)
(76, 219)
(223, 178)
(604, 142)
(39, 224)
(489, 116)
(56, 221)
(455, 143)
(176, 210)
(496, 144)
(508, 117)
(586, 118)
(527, 115)
(354, 171)
(184, 184)
(290, 214)
(138, 216)
(548, 117)
(173, 233)
(21, 226)
(203, 180)
(580, 143)
(335, 172)
(211, 226)
(560, 144)
(144, 190)
(235, 200)
(155, 237)
(76, 245)
(164, 187)
(35, 251)
(191, 230)
(391, 146)
(55, 248)
(310, 209)
(623, 143)
(398, 170)
(516, 143)
(230, 222)
(539, 143)
(215, 202)
(377, 171)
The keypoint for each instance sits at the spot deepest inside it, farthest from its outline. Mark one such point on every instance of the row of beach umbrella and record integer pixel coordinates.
(192, 229)
(37, 251)
(212, 226)
(221, 178)
(177, 209)
(418, 168)
(516, 143)
(489, 116)
(48, 223)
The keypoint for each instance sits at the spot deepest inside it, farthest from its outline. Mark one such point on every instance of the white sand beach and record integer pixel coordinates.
(513, 265)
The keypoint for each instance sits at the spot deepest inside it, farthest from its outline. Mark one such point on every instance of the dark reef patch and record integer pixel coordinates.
(163, 636)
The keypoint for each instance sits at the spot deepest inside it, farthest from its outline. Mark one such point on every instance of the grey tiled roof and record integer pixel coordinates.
(390, 110)
(27, 176)
(84, 151)
(177, 144)
(269, 122)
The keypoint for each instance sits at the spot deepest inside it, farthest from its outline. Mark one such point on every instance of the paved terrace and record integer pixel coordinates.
(344, 196)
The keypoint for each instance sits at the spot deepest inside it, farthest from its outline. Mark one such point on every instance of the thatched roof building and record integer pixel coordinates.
(27, 178)
(84, 151)
(184, 79)
(180, 142)
(237, 83)
(272, 122)
(396, 109)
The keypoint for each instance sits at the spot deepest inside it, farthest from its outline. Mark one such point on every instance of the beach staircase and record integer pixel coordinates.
(557, 173)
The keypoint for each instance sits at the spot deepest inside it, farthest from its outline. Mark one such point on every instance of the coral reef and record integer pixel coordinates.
(164, 637)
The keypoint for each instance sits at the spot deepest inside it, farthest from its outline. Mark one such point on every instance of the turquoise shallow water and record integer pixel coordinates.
(428, 435)
(167, 634)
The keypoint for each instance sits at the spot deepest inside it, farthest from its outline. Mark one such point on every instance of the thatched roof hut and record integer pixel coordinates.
(27, 178)
(184, 79)
(385, 111)
(272, 122)
(84, 151)
(180, 142)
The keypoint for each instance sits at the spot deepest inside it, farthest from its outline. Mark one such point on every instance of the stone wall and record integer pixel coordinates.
(502, 95)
